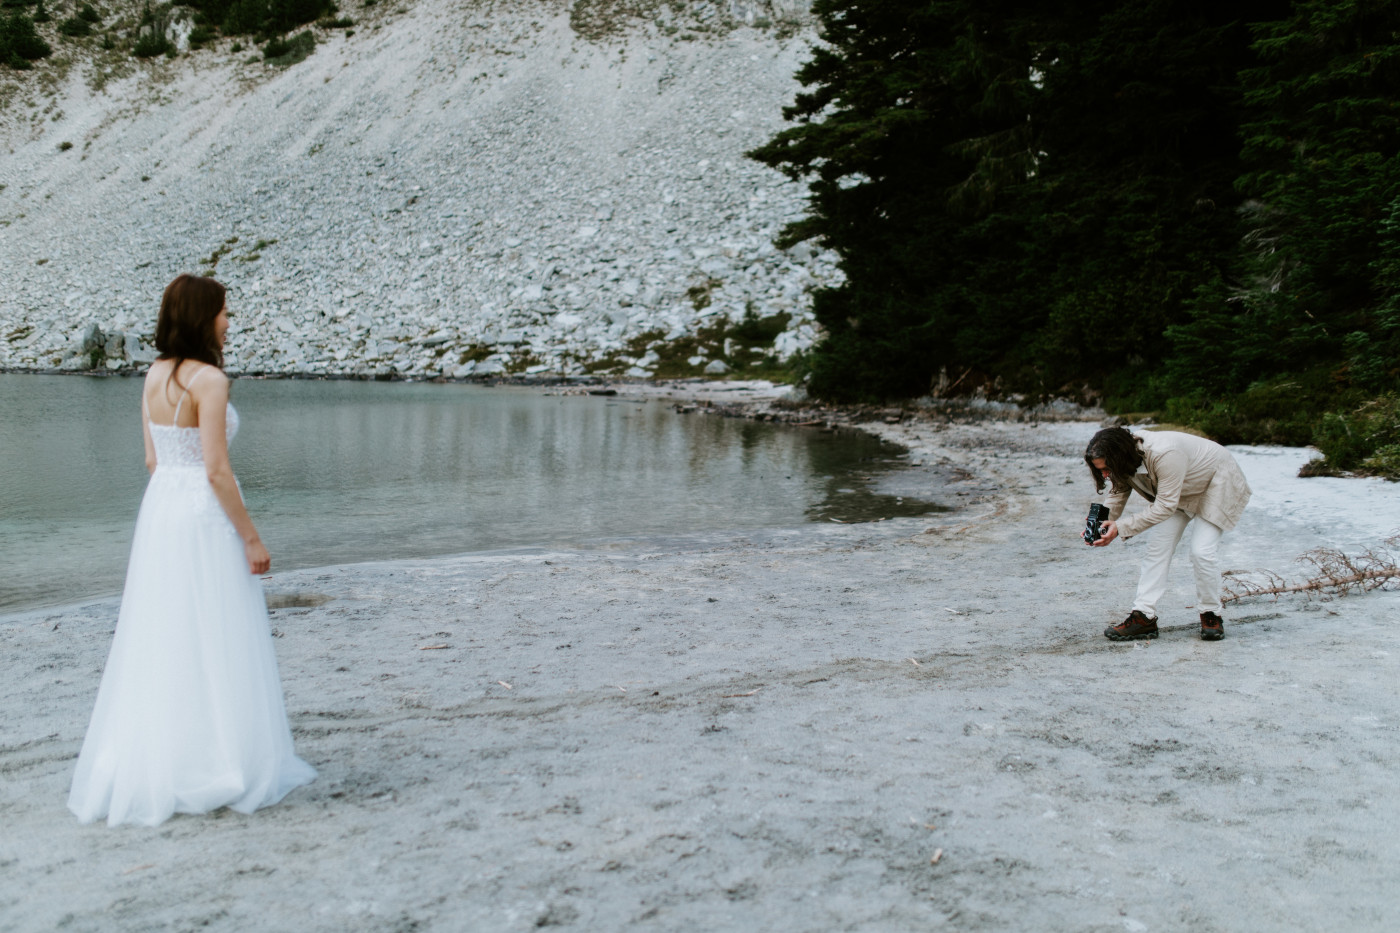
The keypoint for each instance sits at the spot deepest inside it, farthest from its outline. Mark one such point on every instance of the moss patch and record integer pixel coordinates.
(475, 353)
(521, 362)
(746, 347)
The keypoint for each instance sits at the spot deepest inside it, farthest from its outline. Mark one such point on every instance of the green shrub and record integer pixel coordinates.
(199, 35)
(759, 331)
(41, 14)
(284, 52)
(1384, 462)
(244, 17)
(265, 17)
(151, 34)
(88, 14)
(150, 44)
(20, 42)
(75, 27)
(1283, 410)
(1365, 439)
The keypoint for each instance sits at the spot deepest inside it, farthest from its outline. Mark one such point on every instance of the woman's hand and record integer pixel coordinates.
(1110, 531)
(259, 561)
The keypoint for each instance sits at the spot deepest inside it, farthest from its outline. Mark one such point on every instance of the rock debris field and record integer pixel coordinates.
(905, 725)
(456, 189)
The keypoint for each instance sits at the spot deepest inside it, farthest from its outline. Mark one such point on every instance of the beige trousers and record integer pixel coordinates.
(1162, 540)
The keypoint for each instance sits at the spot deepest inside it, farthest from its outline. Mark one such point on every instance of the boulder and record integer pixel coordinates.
(115, 346)
(716, 368)
(459, 370)
(136, 351)
(93, 339)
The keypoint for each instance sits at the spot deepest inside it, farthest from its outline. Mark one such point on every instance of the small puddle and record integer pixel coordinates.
(862, 504)
(296, 599)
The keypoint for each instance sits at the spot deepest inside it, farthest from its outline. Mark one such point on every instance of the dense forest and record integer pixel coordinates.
(1176, 207)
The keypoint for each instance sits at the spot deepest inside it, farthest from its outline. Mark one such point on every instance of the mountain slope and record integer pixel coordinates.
(465, 188)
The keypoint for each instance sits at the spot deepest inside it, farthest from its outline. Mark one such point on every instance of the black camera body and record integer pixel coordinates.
(1093, 525)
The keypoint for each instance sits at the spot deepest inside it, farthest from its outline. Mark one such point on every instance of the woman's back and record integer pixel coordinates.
(166, 394)
(172, 413)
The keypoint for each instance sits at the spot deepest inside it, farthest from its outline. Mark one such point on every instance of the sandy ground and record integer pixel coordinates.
(912, 724)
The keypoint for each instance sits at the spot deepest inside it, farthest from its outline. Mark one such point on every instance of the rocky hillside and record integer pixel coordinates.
(451, 188)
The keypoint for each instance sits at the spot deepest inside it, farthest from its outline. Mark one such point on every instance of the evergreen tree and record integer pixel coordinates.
(1317, 279)
(20, 42)
(1019, 190)
(914, 117)
(1135, 205)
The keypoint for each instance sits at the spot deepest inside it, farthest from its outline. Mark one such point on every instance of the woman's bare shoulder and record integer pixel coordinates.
(209, 378)
(158, 374)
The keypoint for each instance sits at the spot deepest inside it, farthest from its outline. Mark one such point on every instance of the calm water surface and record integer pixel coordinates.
(337, 472)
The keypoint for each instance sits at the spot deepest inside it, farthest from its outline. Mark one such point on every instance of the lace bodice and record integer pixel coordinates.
(180, 447)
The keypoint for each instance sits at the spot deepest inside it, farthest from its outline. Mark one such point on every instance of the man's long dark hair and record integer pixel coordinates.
(185, 328)
(1117, 448)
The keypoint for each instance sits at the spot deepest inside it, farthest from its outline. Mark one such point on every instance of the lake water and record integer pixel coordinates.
(338, 472)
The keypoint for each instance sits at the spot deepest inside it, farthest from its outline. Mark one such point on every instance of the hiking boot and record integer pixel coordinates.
(1134, 627)
(1212, 627)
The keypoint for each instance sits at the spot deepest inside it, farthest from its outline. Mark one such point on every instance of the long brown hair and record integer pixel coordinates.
(1119, 450)
(185, 328)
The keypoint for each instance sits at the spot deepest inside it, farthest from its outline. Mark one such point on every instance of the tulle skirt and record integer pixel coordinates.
(189, 716)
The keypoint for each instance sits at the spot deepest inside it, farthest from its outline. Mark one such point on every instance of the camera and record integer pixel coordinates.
(1093, 525)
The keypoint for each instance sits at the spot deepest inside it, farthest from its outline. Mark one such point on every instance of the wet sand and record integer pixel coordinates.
(909, 724)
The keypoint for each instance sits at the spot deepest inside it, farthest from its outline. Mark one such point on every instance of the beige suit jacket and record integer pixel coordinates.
(1185, 472)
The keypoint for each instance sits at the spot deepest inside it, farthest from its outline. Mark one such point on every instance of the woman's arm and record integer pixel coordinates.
(1170, 469)
(1116, 501)
(210, 395)
(146, 434)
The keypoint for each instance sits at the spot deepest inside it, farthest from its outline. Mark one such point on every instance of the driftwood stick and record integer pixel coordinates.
(957, 380)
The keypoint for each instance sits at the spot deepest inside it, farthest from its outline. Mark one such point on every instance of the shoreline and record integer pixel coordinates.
(835, 726)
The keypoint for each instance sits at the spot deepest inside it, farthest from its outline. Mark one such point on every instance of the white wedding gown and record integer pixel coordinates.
(189, 717)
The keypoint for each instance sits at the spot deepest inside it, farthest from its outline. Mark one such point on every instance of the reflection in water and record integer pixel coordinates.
(848, 496)
(337, 472)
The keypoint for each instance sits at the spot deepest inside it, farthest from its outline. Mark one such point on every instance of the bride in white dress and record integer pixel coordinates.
(189, 717)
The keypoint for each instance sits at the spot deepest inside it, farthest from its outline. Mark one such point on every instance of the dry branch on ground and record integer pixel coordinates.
(1332, 571)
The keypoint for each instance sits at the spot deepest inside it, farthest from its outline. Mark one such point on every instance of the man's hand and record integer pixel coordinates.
(1110, 531)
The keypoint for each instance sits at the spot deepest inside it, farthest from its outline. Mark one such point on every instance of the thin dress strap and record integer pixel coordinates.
(175, 422)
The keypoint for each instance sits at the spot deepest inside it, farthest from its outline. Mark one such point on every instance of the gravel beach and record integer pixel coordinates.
(908, 724)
